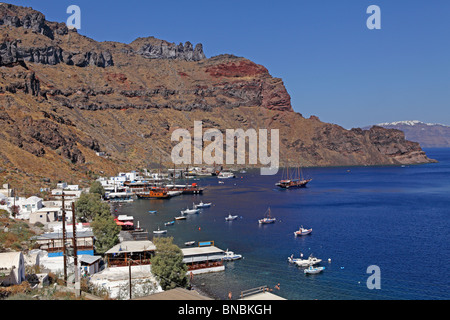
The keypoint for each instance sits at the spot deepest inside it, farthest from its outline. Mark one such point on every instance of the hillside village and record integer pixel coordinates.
(39, 259)
(118, 265)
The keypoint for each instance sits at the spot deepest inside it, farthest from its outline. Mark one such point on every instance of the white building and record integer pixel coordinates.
(68, 194)
(6, 190)
(25, 206)
(12, 268)
(45, 215)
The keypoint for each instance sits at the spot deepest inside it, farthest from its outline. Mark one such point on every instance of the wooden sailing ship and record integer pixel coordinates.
(292, 179)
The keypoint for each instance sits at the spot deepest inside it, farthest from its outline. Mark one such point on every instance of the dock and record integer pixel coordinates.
(259, 293)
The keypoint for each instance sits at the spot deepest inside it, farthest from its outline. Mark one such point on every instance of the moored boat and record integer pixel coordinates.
(154, 194)
(170, 223)
(202, 205)
(231, 256)
(159, 231)
(231, 218)
(302, 231)
(313, 270)
(268, 218)
(189, 243)
(185, 189)
(304, 262)
(180, 218)
(190, 211)
(226, 175)
(296, 181)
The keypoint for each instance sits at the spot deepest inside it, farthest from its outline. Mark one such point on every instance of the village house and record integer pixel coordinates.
(89, 264)
(52, 242)
(12, 268)
(68, 194)
(6, 191)
(45, 215)
(25, 205)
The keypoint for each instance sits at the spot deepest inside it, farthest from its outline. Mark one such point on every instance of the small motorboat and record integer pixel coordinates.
(180, 218)
(230, 218)
(159, 231)
(221, 182)
(304, 262)
(302, 232)
(313, 270)
(170, 223)
(190, 211)
(189, 243)
(153, 212)
(231, 256)
(226, 175)
(202, 205)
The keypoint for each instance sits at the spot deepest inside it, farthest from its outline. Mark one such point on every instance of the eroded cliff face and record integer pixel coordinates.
(64, 97)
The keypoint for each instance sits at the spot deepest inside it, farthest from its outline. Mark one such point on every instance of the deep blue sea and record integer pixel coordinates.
(394, 217)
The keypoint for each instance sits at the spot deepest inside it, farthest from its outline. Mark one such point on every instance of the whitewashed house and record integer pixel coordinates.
(12, 268)
(45, 215)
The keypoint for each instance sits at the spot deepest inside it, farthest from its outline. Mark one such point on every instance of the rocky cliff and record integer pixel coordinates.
(64, 97)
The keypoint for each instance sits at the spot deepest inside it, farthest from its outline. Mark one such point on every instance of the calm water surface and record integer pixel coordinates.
(394, 217)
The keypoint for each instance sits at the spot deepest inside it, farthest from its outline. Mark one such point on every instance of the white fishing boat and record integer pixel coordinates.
(226, 175)
(268, 218)
(304, 262)
(302, 231)
(231, 218)
(313, 270)
(159, 231)
(231, 256)
(202, 205)
(190, 211)
(189, 243)
(180, 218)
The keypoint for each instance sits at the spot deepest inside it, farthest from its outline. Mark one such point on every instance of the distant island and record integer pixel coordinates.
(429, 135)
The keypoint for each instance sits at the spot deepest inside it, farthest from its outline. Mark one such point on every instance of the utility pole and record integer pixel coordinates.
(129, 275)
(75, 253)
(64, 238)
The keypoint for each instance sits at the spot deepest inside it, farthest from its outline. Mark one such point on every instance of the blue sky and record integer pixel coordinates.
(333, 66)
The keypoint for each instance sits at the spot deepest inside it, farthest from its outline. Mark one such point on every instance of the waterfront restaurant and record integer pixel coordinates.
(203, 259)
(130, 252)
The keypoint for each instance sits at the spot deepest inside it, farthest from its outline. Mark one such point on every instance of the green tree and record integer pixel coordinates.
(89, 206)
(167, 264)
(106, 232)
(96, 187)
